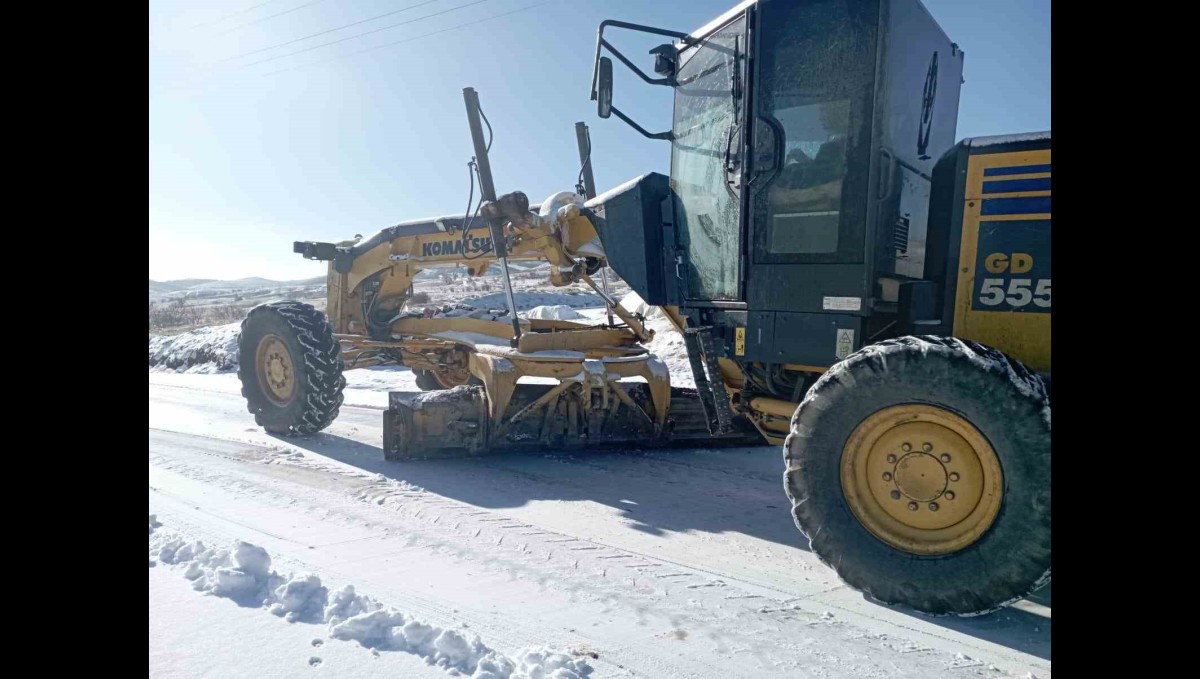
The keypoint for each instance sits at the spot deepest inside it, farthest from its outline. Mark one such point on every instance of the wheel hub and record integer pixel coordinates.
(276, 374)
(922, 479)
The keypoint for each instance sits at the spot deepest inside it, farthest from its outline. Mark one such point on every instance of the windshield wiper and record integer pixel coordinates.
(733, 175)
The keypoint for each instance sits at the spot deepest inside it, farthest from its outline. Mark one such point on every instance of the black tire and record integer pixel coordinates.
(427, 381)
(317, 360)
(1009, 406)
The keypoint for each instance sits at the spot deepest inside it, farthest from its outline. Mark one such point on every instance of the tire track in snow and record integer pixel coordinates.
(531, 563)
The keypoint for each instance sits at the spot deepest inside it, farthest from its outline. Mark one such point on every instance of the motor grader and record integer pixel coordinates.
(849, 281)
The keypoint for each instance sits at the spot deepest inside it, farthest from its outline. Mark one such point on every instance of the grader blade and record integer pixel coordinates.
(454, 423)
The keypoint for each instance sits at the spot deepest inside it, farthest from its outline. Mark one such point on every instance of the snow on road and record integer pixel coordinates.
(680, 563)
(242, 573)
(198, 636)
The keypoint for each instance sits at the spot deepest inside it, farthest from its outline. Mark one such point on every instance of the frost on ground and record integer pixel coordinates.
(242, 572)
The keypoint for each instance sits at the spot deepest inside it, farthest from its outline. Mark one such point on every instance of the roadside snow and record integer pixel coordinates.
(203, 350)
(242, 572)
(203, 636)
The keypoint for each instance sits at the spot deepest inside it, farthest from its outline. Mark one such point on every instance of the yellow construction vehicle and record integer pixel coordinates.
(862, 289)
(292, 356)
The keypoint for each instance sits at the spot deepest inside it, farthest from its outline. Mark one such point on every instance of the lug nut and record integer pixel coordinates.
(953, 476)
(891, 459)
(933, 506)
(887, 476)
(895, 495)
(906, 447)
(927, 447)
(912, 506)
(949, 495)
(945, 457)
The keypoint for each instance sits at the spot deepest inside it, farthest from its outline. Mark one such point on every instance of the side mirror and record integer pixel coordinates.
(604, 86)
(766, 147)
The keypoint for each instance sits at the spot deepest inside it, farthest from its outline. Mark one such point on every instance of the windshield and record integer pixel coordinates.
(707, 135)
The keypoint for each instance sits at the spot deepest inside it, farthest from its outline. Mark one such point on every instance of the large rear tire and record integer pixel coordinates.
(919, 469)
(290, 366)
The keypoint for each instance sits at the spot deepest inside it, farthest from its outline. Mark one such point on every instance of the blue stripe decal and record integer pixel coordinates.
(1015, 169)
(1014, 185)
(1016, 206)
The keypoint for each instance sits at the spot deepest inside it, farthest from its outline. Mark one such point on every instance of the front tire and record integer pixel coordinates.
(919, 469)
(290, 366)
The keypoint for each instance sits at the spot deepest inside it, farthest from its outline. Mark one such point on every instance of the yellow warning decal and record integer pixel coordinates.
(739, 342)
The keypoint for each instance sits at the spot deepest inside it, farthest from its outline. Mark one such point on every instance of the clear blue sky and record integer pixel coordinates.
(321, 145)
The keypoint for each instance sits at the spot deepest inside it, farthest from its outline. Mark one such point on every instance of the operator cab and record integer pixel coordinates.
(803, 141)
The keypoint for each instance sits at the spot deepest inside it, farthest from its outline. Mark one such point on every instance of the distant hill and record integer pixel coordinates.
(254, 283)
(209, 285)
(172, 286)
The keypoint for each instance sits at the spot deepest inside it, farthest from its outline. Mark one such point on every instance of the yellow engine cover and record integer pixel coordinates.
(1003, 294)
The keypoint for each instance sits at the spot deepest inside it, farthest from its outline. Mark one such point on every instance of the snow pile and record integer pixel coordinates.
(634, 304)
(242, 572)
(203, 350)
(556, 312)
(668, 346)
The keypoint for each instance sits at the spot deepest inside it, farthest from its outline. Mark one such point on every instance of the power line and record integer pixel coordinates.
(416, 37)
(394, 43)
(234, 14)
(359, 35)
(272, 16)
(331, 30)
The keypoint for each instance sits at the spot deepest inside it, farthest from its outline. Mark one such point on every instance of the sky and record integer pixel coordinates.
(255, 144)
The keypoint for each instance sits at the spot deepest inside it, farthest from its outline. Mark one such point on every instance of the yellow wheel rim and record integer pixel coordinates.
(922, 479)
(276, 374)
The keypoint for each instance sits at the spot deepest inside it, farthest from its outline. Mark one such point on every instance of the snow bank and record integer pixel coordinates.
(556, 312)
(204, 350)
(242, 572)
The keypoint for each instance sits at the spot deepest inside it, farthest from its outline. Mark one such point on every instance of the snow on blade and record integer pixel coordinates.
(242, 572)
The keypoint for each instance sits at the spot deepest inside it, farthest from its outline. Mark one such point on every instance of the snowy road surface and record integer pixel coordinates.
(651, 564)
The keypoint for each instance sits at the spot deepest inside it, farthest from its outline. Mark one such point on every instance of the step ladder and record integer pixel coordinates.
(709, 384)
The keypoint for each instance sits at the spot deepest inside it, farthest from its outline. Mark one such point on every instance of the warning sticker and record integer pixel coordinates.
(845, 343)
(841, 303)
